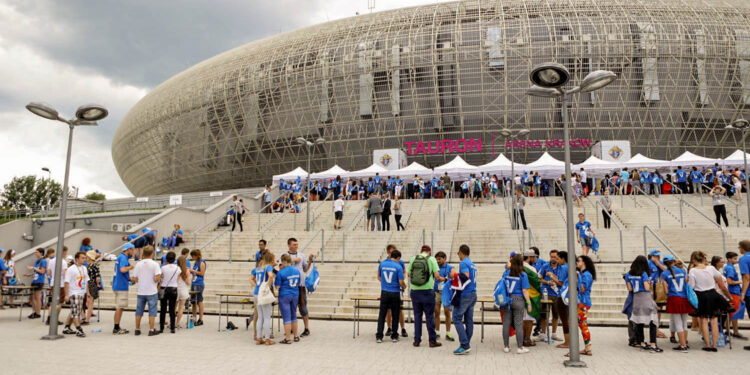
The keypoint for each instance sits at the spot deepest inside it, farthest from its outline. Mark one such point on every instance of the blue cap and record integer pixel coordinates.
(654, 252)
(1, 250)
(128, 246)
(668, 257)
(341, 195)
(145, 230)
(512, 253)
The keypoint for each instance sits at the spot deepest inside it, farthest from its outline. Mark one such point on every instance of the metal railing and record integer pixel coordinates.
(316, 211)
(532, 238)
(658, 238)
(322, 234)
(420, 242)
(216, 237)
(718, 226)
(215, 221)
(354, 221)
(263, 210)
(736, 210)
(598, 205)
(658, 207)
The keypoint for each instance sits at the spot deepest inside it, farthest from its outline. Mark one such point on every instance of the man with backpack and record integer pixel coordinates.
(423, 271)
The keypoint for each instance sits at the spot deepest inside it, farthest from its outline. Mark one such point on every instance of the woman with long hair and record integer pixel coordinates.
(183, 287)
(638, 281)
(586, 277)
(673, 280)
(517, 285)
(704, 280)
(263, 273)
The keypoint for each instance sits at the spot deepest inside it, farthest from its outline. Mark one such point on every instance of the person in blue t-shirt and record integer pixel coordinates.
(39, 272)
(444, 277)
(696, 178)
(673, 281)
(744, 263)
(547, 271)
(656, 267)
(391, 277)
(681, 180)
(263, 273)
(377, 183)
(198, 270)
(120, 284)
(624, 181)
(463, 314)
(734, 285)
(586, 277)
(517, 285)
(288, 281)
(638, 281)
(584, 235)
(558, 276)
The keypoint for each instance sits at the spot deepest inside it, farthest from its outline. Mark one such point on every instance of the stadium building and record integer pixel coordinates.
(440, 74)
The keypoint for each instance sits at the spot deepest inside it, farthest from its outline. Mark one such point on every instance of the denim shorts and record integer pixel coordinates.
(586, 241)
(197, 297)
(288, 307)
(151, 300)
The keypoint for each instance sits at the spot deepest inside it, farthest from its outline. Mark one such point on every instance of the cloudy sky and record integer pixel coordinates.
(112, 52)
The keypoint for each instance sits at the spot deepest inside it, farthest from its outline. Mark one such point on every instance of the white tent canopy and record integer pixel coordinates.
(456, 168)
(735, 159)
(368, 172)
(547, 166)
(291, 175)
(501, 165)
(412, 169)
(595, 167)
(329, 173)
(689, 159)
(640, 161)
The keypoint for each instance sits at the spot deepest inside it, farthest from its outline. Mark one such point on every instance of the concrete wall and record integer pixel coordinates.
(103, 221)
(11, 235)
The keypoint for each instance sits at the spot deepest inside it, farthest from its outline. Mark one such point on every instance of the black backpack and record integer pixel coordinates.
(420, 271)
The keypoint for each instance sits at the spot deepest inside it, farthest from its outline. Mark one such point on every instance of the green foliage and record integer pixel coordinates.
(95, 196)
(30, 192)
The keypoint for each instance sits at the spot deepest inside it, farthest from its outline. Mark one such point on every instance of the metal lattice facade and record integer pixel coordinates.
(443, 71)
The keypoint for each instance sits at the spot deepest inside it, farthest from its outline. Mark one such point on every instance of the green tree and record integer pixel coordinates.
(95, 196)
(30, 192)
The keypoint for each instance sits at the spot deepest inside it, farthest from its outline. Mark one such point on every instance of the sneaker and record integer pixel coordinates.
(137, 332)
(80, 333)
(403, 333)
(153, 332)
(306, 332)
(556, 337)
(379, 341)
(540, 337)
(684, 349)
(449, 337)
(522, 350)
(673, 340)
(460, 351)
(394, 339)
(120, 331)
(68, 331)
(389, 332)
(34, 316)
(199, 323)
(171, 330)
(506, 349)
(655, 349)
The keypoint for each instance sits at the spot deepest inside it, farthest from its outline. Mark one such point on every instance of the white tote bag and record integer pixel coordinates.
(265, 295)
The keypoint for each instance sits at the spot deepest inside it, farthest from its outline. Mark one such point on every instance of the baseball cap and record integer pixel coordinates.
(512, 253)
(668, 257)
(128, 246)
(529, 253)
(654, 252)
(341, 195)
(1, 250)
(426, 248)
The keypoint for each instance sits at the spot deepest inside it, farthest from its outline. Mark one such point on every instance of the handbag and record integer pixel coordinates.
(265, 294)
(163, 290)
(691, 296)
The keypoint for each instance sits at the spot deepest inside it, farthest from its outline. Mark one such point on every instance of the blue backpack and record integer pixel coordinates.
(312, 280)
(501, 293)
(691, 296)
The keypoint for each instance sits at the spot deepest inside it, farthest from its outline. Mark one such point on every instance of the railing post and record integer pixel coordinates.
(622, 250)
(424, 239)
(230, 246)
(658, 214)
(682, 223)
(322, 246)
(432, 239)
(644, 241)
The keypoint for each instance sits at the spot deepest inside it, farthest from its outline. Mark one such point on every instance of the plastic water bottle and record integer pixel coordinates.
(190, 322)
(96, 330)
(545, 295)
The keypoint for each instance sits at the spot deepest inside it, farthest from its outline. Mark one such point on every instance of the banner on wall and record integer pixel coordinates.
(612, 150)
(389, 158)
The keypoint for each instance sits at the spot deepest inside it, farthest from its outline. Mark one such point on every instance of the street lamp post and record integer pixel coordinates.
(742, 124)
(86, 115)
(49, 182)
(548, 80)
(309, 145)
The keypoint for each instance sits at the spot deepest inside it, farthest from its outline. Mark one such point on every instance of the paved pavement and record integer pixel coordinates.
(329, 350)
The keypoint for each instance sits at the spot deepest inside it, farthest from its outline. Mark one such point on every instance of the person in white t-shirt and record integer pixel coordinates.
(338, 211)
(170, 275)
(76, 292)
(51, 277)
(146, 275)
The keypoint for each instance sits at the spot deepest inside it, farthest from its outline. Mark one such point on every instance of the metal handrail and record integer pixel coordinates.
(718, 226)
(597, 205)
(658, 207)
(658, 238)
(204, 226)
(346, 229)
(532, 238)
(675, 187)
(216, 237)
(322, 244)
(420, 242)
(736, 209)
(119, 247)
